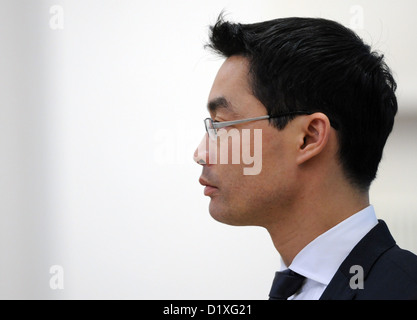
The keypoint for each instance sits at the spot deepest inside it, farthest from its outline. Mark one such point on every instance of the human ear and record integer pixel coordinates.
(315, 132)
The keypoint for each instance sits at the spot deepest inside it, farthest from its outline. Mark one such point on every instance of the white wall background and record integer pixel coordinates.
(98, 123)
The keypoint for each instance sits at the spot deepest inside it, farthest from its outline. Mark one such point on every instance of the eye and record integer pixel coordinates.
(220, 121)
(217, 121)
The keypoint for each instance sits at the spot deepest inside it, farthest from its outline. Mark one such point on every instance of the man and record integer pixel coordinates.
(325, 105)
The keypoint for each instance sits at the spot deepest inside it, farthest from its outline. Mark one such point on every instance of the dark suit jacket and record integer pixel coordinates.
(389, 271)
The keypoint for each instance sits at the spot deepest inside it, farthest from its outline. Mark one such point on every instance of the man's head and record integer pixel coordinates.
(314, 66)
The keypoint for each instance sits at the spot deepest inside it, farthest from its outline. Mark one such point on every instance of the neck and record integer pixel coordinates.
(297, 226)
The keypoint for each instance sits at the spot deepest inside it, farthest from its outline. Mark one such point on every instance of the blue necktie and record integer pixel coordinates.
(286, 283)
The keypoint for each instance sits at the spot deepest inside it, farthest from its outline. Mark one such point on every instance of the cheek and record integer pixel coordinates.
(249, 199)
(278, 170)
(276, 153)
(257, 162)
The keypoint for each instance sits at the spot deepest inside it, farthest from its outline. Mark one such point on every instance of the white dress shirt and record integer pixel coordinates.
(321, 258)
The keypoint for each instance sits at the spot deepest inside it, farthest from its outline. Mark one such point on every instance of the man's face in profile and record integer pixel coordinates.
(238, 198)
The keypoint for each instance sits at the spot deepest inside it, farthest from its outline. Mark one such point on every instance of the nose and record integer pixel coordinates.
(201, 154)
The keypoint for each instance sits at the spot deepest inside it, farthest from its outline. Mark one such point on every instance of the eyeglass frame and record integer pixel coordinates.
(222, 124)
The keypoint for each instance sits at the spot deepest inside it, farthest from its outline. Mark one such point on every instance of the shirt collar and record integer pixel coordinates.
(321, 258)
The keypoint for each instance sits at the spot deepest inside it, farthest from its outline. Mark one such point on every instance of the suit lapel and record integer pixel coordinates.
(364, 254)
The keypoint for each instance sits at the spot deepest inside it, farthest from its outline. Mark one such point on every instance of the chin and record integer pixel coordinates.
(228, 214)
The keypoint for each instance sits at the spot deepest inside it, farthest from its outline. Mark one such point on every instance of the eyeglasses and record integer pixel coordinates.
(211, 126)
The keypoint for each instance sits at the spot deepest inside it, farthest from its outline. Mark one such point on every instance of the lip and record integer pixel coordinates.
(209, 189)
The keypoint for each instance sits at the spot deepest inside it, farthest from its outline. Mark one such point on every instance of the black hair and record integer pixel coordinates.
(318, 65)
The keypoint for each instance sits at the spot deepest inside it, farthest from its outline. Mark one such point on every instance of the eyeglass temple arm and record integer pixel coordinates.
(218, 125)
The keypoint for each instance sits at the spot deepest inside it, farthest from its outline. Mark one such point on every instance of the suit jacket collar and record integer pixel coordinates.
(364, 254)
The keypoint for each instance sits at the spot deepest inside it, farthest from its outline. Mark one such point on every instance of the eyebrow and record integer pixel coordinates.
(216, 103)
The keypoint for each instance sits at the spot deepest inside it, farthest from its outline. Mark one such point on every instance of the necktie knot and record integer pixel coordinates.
(286, 283)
